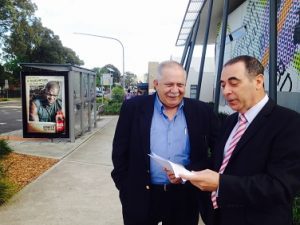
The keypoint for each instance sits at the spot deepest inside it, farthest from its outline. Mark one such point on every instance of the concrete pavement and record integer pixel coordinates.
(78, 190)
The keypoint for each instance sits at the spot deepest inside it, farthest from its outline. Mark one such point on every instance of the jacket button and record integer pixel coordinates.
(148, 171)
(147, 187)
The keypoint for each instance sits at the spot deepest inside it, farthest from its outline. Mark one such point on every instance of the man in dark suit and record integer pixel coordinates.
(174, 127)
(257, 158)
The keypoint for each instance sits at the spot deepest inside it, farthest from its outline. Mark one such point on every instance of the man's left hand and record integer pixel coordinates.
(172, 178)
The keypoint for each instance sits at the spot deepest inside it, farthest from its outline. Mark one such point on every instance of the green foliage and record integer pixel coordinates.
(7, 190)
(13, 13)
(118, 94)
(34, 43)
(13, 79)
(130, 79)
(23, 38)
(97, 70)
(296, 211)
(4, 149)
(99, 100)
(113, 106)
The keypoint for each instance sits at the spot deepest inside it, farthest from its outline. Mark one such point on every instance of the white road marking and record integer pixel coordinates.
(3, 123)
(10, 107)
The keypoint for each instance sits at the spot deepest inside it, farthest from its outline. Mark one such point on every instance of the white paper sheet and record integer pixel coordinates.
(174, 167)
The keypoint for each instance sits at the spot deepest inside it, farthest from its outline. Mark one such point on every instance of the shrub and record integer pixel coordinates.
(296, 210)
(4, 148)
(7, 190)
(118, 94)
(113, 106)
(99, 100)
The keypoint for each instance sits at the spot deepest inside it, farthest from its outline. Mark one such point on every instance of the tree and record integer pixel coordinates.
(130, 79)
(35, 43)
(24, 39)
(13, 12)
(97, 70)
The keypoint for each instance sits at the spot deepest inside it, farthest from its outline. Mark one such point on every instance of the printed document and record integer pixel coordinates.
(174, 167)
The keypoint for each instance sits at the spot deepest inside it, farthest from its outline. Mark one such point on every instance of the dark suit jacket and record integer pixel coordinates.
(131, 145)
(263, 174)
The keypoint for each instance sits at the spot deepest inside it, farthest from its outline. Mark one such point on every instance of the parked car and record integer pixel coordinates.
(99, 93)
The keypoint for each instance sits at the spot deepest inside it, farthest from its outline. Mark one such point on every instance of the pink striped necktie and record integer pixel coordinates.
(234, 140)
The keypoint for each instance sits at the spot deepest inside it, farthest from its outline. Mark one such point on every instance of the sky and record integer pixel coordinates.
(148, 30)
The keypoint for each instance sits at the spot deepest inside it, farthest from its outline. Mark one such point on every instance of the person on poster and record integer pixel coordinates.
(257, 159)
(47, 107)
(174, 127)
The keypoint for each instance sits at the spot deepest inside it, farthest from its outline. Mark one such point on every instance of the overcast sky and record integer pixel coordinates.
(147, 29)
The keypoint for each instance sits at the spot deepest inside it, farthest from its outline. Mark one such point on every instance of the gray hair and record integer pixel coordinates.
(168, 63)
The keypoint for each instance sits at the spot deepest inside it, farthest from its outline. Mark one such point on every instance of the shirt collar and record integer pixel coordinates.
(254, 110)
(160, 107)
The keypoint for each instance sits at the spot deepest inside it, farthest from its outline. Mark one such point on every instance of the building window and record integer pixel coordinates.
(193, 91)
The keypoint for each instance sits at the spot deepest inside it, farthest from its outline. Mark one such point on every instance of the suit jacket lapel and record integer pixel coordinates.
(191, 118)
(187, 109)
(145, 119)
(255, 125)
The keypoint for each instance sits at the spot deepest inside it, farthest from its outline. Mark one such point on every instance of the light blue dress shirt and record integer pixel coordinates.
(168, 139)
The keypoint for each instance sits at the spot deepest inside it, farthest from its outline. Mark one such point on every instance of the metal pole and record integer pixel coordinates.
(221, 55)
(186, 47)
(192, 45)
(273, 50)
(71, 107)
(204, 50)
(102, 91)
(112, 38)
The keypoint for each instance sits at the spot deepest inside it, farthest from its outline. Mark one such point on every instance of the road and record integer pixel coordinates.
(10, 116)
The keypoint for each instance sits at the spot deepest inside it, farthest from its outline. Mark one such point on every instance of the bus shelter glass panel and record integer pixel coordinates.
(77, 104)
(85, 110)
(92, 98)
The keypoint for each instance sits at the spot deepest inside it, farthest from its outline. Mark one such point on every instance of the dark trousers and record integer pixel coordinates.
(174, 205)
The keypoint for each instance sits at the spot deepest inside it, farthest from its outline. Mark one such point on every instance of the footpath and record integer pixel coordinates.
(78, 190)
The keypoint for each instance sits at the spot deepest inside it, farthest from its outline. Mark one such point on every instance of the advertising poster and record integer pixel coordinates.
(45, 112)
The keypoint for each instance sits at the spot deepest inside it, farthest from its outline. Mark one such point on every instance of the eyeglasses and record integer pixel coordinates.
(51, 95)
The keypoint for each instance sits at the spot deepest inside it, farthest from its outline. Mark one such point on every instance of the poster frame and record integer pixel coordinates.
(26, 101)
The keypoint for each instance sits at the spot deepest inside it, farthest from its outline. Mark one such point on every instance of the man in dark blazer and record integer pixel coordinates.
(262, 174)
(146, 200)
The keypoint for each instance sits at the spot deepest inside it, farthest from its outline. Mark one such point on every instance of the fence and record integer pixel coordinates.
(10, 93)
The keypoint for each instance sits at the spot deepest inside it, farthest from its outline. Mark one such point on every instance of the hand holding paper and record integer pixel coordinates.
(174, 167)
(206, 180)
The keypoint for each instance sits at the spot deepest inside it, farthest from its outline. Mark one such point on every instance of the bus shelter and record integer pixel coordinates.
(58, 100)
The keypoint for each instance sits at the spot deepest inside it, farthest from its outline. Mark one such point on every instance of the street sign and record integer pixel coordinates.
(6, 84)
(107, 79)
